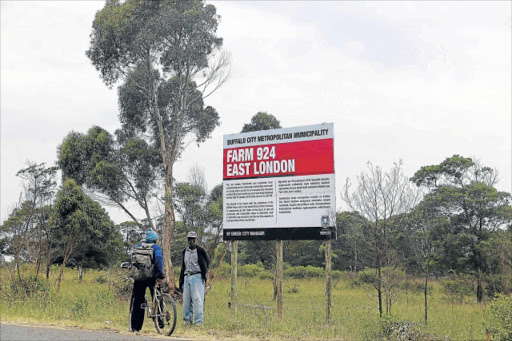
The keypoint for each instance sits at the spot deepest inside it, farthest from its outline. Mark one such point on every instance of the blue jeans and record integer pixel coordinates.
(193, 299)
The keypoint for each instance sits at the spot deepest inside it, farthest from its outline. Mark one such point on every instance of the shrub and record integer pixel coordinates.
(122, 287)
(79, 308)
(304, 272)
(337, 274)
(399, 330)
(28, 286)
(250, 270)
(224, 271)
(101, 279)
(294, 289)
(265, 275)
(494, 285)
(499, 319)
(456, 290)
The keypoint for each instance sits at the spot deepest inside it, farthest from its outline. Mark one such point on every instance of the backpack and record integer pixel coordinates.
(142, 262)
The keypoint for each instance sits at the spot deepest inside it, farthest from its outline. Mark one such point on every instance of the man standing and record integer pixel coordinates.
(147, 268)
(192, 280)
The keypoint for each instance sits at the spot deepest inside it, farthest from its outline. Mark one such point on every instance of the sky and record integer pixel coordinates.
(413, 81)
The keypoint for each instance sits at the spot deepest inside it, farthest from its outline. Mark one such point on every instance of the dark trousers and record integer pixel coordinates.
(138, 293)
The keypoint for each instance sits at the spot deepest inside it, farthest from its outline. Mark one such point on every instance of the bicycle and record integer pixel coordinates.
(162, 309)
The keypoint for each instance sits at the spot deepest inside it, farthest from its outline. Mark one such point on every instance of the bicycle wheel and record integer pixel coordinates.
(165, 315)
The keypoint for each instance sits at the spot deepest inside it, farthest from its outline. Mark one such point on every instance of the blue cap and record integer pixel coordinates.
(151, 235)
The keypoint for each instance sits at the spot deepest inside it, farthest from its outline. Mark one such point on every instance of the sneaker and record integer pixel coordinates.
(161, 323)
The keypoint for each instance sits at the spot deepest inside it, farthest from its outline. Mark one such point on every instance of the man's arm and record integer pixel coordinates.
(159, 265)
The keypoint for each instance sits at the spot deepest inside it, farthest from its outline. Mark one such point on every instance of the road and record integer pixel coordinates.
(11, 332)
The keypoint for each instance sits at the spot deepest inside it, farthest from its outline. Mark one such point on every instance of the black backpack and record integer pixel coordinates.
(142, 262)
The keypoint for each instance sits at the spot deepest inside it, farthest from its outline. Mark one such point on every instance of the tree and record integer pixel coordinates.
(427, 227)
(463, 191)
(351, 244)
(262, 121)
(26, 230)
(114, 169)
(190, 204)
(78, 222)
(166, 53)
(381, 198)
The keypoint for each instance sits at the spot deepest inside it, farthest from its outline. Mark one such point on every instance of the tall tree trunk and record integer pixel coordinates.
(39, 255)
(425, 293)
(169, 225)
(479, 288)
(355, 259)
(67, 254)
(379, 286)
(48, 265)
(168, 231)
(17, 259)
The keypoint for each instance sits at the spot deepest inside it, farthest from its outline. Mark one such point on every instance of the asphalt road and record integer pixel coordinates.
(11, 332)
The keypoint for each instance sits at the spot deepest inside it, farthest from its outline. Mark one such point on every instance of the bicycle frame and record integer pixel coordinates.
(152, 308)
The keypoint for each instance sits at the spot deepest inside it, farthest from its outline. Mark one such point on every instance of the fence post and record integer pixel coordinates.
(279, 277)
(234, 264)
(328, 281)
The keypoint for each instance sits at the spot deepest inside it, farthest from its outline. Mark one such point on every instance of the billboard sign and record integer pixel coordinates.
(279, 184)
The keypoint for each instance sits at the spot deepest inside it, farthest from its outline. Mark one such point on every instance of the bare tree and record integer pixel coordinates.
(381, 197)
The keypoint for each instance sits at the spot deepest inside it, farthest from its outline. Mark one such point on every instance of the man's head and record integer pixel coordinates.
(151, 236)
(191, 237)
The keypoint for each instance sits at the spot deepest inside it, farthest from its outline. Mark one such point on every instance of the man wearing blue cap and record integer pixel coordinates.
(192, 279)
(140, 284)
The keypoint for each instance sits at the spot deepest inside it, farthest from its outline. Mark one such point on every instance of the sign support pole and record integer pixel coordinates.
(234, 264)
(279, 277)
(328, 281)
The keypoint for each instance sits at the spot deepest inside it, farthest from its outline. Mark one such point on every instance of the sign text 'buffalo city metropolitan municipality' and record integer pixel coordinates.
(279, 184)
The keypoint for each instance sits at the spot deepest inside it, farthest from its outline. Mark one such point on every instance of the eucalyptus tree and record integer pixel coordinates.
(262, 121)
(78, 222)
(382, 199)
(463, 191)
(25, 232)
(114, 169)
(168, 57)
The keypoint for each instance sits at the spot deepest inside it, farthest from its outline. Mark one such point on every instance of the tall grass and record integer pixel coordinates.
(91, 304)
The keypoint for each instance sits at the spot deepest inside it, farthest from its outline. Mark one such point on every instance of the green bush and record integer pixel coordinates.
(28, 286)
(266, 275)
(101, 279)
(250, 270)
(499, 319)
(399, 330)
(304, 272)
(224, 271)
(457, 289)
(494, 285)
(337, 274)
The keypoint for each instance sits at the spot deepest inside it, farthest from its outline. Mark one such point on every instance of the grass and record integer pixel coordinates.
(90, 304)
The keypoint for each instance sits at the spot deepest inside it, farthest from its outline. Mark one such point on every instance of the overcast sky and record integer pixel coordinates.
(416, 81)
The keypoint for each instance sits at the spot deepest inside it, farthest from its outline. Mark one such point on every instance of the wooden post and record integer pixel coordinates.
(234, 264)
(328, 281)
(279, 277)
